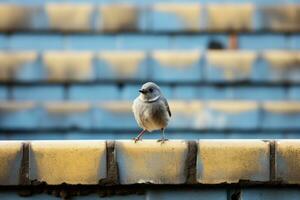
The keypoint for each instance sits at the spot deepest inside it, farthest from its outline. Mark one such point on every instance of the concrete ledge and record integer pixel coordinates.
(124, 162)
(10, 162)
(73, 162)
(288, 161)
(229, 161)
(151, 162)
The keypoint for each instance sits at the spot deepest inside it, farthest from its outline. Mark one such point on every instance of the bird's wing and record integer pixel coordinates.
(167, 106)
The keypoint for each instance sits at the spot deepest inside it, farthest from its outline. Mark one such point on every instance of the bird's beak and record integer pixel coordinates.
(142, 91)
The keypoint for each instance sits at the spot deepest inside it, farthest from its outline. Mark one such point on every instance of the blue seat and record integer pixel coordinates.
(130, 92)
(36, 42)
(215, 93)
(175, 17)
(280, 17)
(233, 114)
(178, 66)
(187, 114)
(201, 42)
(22, 66)
(259, 93)
(122, 65)
(64, 66)
(284, 115)
(126, 17)
(262, 41)
(114, 115)
(91, 42)
(294, 93)
(295, 42)
(143, 42)
(277, 66)
(66, 115)
(19, 115)
(227, 65)
(3, 42)
(93, 93)
(38, 93)
(3, 93)
(229, 17)
(187, 92)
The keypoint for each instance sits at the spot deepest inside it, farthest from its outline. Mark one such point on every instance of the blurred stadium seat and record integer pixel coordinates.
(71, 70)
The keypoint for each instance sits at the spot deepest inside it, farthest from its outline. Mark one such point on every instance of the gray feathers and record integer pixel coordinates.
(151, 109)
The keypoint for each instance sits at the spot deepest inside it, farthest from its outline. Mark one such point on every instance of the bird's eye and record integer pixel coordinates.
(151, 90)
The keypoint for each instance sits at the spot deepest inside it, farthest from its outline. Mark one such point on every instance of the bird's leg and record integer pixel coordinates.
(139, 136)
(163, 139)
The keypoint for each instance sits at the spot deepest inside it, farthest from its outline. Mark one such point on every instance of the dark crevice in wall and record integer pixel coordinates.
(111, 165)
(24, 169)
(191, 163)
(272, 161)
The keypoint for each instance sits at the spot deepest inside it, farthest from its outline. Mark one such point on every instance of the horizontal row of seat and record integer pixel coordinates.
(191, 114)
(177, 65)
(157, 17)
(146, 42)
(107, 92)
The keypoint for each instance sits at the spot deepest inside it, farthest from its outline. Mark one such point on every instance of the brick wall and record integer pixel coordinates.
(214, 169)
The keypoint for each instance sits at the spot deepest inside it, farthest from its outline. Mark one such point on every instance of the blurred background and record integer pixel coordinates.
(71, 69)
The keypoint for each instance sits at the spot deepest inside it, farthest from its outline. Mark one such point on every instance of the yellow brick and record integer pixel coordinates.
(118, 17)
(232, 160)
(177, 59)
(123, 63)
(150, 161)
(288, 161)
(233, 63)
(282, 18)
(69, 17)
(11, 62)
(190, 14)
(10, 159)
(14, 17)
(73, 162)
(62, 66)
(230, 16)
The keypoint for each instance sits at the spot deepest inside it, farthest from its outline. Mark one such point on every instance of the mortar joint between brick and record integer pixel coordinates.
(111, 164)
(191, 162)
(24, 168)
(272, 160)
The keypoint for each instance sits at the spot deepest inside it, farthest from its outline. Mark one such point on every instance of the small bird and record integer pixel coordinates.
(151, 110)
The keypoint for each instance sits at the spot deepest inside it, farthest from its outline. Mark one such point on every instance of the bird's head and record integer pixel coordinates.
(150, 92)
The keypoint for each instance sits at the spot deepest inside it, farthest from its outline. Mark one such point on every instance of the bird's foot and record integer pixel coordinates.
(162, 140)
(136, 139)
